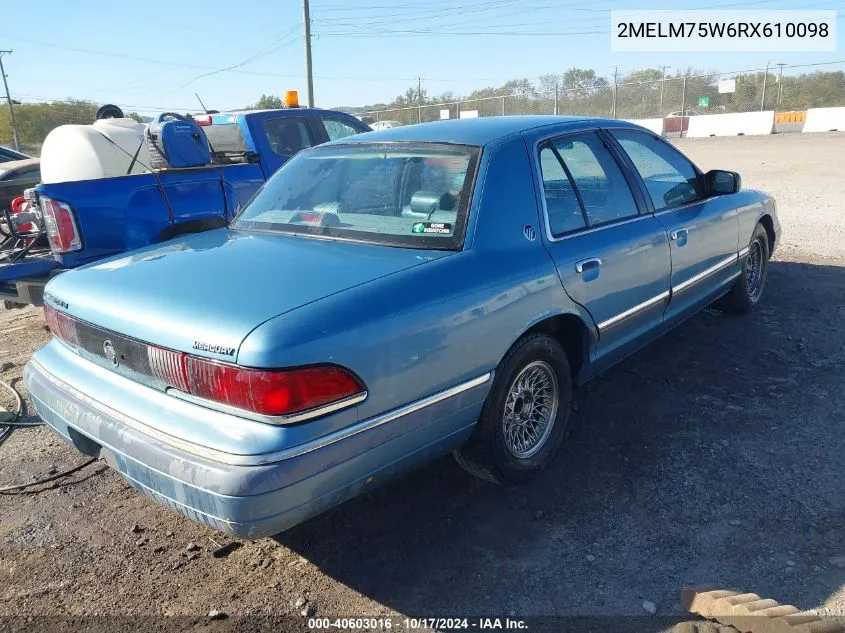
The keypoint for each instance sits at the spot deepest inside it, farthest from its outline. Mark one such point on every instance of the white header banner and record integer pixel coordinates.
(662, 30)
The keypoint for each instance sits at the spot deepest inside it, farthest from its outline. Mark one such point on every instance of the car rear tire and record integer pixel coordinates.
(524, 417)
(748, 288)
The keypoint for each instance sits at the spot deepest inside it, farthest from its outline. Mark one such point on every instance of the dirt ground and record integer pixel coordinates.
(714, 456)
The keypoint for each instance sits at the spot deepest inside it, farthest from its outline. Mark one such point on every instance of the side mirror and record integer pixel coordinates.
(720, 182)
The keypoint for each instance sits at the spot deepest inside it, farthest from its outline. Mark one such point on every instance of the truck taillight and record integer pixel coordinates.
(61, 325)
(61, 226)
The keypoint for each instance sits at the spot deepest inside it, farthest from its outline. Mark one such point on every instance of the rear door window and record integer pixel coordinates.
(287, 135)
(594, 183)
(562, 206)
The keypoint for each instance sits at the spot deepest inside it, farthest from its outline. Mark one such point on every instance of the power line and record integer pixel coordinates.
(134, 58)
(367, 24)
(278, 44)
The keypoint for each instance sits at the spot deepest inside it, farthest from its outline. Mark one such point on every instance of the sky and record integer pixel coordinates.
(153, 56)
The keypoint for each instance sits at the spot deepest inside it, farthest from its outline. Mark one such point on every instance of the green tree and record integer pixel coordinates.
(547, 83)
(582, 82)
(412, 96)
(36, 120)
(267, 102)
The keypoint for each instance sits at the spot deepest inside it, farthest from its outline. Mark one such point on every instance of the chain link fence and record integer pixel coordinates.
(790, 88)
(783, 89)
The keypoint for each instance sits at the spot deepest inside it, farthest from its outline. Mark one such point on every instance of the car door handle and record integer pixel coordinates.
(587, 264)
(678, 234)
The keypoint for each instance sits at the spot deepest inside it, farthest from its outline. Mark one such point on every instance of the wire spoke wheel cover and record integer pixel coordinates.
(530, 409)
(754, 269)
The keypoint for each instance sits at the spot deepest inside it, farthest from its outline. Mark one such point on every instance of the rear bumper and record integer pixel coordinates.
(258, 495)
(24, 291)
(23, 281)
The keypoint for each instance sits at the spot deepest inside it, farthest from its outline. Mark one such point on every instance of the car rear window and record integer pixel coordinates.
(226, 138)
(401, 194)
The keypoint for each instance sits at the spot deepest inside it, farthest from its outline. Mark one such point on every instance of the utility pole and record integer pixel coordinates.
(615, 73)
(9, 99)
(765, 77)
(419, 99)
(662, 81)
(780, 85)
(306, 14)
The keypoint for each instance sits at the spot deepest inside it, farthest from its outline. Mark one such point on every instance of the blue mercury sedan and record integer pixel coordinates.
(386, 299)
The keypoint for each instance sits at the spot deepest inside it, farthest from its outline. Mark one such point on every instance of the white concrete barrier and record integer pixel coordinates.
(655, 125)
(748, 123)
(825, 120)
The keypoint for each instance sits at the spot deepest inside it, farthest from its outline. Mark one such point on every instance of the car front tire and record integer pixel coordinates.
(524, 417)
(748, 288)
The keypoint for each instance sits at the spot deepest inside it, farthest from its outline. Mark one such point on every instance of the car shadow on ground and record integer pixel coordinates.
(714, 456)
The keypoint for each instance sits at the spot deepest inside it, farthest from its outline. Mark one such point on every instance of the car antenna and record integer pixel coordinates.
(204, 109)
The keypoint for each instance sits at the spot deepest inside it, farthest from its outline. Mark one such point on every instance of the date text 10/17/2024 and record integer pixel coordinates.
(413, 624)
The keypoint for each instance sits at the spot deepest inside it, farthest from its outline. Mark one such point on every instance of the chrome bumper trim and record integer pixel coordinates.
(263, 458)
(293, 418)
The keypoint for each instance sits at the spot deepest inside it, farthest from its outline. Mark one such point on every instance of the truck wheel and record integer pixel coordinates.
(748, 288)
(525, 415)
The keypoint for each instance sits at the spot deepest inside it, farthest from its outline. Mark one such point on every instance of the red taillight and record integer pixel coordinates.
(283, 392)
(269, 392)
(202, 120)
(61, 226)
(61, 325)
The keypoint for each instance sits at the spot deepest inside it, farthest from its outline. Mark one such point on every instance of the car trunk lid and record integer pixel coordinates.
(204, 293)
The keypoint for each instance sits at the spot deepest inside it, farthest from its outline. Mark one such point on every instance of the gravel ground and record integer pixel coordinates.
(714, 456)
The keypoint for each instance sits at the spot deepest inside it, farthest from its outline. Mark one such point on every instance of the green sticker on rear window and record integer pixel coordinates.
(437, 228)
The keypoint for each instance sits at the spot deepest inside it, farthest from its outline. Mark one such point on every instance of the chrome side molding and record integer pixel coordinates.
(704, 274)
(731, 259)
(632, 311)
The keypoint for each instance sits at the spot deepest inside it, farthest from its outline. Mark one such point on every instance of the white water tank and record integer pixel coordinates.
(102, 150)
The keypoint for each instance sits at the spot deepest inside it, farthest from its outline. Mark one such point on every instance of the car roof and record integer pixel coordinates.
(479, 131)
(300, 110)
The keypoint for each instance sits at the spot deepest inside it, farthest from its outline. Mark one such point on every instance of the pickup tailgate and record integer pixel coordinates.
(118, 214)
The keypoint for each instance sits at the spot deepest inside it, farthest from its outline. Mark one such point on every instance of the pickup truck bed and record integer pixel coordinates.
(113, 215)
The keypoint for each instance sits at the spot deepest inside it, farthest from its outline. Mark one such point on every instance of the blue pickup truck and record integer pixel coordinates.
(83, 212)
